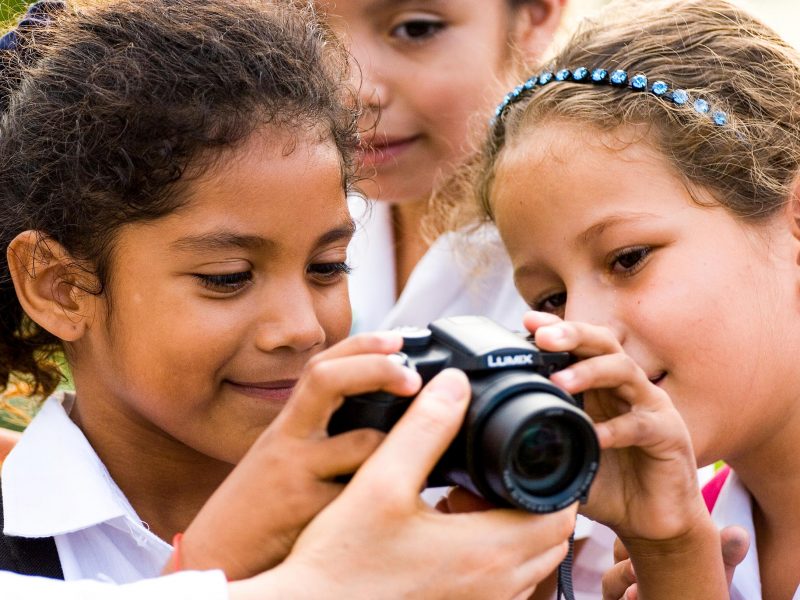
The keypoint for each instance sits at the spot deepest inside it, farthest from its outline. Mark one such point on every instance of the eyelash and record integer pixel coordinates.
(230, 283)
(432, 28)
(540, 303)
(640, 253)
(226, 282)
(329, 271)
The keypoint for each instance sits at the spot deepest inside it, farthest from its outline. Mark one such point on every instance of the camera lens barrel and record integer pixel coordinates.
(530, 445)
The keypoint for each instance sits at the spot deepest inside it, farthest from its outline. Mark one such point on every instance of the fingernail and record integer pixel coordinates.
(565, 376)
(412, 377)
(451, 385)
(556, 332)
(389, 339)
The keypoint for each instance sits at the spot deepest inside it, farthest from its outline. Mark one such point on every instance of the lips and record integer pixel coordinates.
(273, 391)
(658, 378)
(382, 150)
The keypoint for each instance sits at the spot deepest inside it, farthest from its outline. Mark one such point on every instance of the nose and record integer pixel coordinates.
(367, 77)
(596, 306)
(372, 91)
(289, 321)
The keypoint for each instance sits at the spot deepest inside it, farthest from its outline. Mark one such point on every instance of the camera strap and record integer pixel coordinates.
(565, 590)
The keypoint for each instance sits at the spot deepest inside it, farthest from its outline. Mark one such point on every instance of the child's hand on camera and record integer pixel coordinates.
(646, 489)
(379, 540)
(251, 522)
(619, 582)
(647, 484)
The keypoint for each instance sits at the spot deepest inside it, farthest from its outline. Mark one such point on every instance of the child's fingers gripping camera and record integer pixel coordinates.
(524, 442)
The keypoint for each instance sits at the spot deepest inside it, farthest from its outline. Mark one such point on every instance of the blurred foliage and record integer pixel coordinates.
(10, 9)
(18, 405)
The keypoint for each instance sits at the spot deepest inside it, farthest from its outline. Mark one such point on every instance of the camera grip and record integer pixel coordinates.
(376, 411)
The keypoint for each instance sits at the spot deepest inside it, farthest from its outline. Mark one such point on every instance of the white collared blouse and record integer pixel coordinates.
(734, 506)
(455, 277)
(54, 485)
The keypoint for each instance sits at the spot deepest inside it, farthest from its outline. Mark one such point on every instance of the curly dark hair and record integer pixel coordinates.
(107, 111)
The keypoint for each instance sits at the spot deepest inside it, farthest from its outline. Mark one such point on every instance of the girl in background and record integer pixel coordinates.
(430, 73)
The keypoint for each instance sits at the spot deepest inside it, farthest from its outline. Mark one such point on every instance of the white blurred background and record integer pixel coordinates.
(783, 15)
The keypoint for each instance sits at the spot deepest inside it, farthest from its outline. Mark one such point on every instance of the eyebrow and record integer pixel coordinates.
(380, 5)
(345, 231)
(227, 240)
(593, 231)
(598, 228)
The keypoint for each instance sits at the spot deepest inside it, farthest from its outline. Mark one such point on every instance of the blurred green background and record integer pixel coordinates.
(9, 8)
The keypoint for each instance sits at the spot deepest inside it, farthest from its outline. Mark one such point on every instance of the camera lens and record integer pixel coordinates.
(538, 450)
(543, 456)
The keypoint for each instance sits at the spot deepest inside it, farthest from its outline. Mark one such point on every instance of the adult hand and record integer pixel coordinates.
(378, 539)
(251, 522)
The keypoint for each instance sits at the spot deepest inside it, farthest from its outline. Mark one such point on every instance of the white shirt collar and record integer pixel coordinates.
(371, 256)
(54, 483)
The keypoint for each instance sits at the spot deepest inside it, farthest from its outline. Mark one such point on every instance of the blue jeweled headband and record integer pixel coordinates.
(618, 79)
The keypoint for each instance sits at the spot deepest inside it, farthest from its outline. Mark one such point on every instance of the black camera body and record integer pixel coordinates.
(524, 442)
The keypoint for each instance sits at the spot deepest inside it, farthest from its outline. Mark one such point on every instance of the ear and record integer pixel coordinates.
(793, 209)
(50, 286)
(534, 26)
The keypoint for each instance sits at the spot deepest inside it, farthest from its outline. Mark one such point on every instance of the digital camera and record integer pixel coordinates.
(524, 442)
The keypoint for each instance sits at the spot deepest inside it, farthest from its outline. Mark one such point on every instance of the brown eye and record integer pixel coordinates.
(630, 259)
(554, 303)
(417, 30)
(329, 272)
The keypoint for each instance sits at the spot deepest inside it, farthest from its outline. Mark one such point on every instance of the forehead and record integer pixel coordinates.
(560, 178)
(373, 9)
(573, 158)
(274, 186)
(370, 6)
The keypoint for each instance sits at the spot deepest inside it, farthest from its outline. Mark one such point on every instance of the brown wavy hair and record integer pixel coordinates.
(106, 112)
(711, 48)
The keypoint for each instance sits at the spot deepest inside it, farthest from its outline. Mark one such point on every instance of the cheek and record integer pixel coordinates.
(681, 323)
(334, 314)
(455, 112)
(174, 341)
(456, 101)
(691, 329)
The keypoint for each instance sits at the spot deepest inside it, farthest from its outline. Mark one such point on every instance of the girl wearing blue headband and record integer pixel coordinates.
(645, 184)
